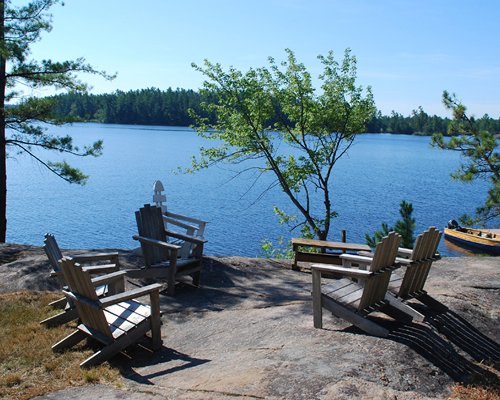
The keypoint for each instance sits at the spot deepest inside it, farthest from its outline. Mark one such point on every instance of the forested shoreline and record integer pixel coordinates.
(171, 108)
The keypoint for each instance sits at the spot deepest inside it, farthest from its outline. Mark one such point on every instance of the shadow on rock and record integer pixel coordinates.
(153, 364)
(236, 283)
(461, 333)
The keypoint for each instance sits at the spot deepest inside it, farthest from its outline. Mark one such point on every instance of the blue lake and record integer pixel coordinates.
(378, 172)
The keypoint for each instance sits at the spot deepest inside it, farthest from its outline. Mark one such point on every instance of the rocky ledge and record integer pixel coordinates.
(248, 333)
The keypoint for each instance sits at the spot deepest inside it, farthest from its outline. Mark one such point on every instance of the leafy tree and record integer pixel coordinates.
(20, 27)
(480, 158)
(405, 227)
(274, 115)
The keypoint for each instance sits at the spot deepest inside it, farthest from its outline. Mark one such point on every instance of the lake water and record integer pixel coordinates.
(378, 172)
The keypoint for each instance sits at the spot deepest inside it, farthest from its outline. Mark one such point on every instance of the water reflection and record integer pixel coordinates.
(456, 251)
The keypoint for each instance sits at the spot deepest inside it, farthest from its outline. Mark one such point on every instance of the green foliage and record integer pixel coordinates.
(257, 111)
(480, 158)
(372, 241)
(405, 227)
(282, 248)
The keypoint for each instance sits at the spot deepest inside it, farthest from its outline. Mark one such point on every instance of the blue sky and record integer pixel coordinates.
(409, 51)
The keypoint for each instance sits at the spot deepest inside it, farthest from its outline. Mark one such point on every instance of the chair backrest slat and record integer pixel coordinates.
(81, 286)
(150, 224)
(53, 251)
(422, 257)
(374, 289)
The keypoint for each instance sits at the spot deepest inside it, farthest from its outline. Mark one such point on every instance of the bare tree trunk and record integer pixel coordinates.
(3, 143)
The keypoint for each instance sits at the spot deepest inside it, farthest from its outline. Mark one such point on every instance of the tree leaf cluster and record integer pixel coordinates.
(275, 119)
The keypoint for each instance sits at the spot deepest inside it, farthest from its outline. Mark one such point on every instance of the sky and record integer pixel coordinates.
(408, 51)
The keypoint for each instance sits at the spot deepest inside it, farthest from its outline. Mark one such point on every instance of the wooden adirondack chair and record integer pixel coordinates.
(54, 255)
(189, 226)
(353, 301)
(116, 321)
(162, 259)
(418, 263)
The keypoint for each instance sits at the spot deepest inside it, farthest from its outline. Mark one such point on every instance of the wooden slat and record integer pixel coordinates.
(354, 318)
(80, 283)
(345, 288)
(422, 257)
(384, 256)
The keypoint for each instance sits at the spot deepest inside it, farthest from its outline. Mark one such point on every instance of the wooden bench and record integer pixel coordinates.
(324, 257)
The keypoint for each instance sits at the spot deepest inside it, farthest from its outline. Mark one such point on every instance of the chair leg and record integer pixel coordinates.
(155, 320)
(69, 341)
(171, 282)
(196, 278)
(316, 299)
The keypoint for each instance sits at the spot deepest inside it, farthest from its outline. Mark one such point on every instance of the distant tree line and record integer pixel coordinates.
(139, 107)
(171, 108)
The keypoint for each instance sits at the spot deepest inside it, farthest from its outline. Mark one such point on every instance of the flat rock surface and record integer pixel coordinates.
(248, 333)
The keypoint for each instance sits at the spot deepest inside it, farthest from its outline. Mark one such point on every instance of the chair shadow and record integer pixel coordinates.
(428, 342)
(424, 340)
(143, 357)
(460, 332)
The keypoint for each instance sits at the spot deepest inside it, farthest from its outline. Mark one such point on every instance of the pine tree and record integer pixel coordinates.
(20, 27)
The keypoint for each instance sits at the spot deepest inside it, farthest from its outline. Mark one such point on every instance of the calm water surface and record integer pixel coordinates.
(369, 183)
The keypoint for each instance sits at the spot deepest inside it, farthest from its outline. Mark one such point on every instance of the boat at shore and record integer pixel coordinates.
(479, 240)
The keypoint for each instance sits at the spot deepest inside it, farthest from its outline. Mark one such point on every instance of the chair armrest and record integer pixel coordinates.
(365, 260)
(105, 279)
(403, 261)
(186, 218)
(82, 258)
(402, 252)
(155, 242)
(180, 224)
(101, 269)
(337, 270)
(131, 294)
(187, 238)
